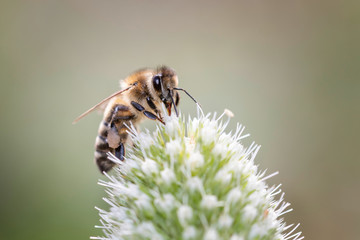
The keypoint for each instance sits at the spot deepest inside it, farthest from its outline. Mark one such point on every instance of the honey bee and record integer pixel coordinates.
(141, 97)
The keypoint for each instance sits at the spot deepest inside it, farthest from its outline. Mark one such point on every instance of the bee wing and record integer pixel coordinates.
(100, 103)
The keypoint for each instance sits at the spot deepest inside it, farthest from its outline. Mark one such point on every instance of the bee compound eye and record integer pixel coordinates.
(157, 83)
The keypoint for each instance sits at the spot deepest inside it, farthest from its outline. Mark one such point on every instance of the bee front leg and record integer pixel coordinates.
(153, 107)
(148, 114)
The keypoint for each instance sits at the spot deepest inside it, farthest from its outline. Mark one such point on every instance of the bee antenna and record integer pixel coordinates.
(181, 89)
(172, 100)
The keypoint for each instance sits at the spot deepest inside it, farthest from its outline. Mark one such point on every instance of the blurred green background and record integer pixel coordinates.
(289, 70)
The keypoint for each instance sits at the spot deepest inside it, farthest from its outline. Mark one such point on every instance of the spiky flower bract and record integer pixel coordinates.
(192, 180)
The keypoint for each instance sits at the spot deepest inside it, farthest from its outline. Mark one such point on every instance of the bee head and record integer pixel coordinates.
(164, 83)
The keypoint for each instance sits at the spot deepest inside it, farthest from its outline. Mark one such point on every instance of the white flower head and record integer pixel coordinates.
(173, 147)
(184, 213)
(234, 196)
(257, 197)
(189, 233)
(190, 144)
(145, 139)
(211, 234)
(224, 176)
(195, 184)
(172, 125)
(249, 213)
(208, 132)
(166, 203)
(193, 127)
(220, 149)
(258, 230)
(143, 201)
(237, 237)
(196, 180)
(254, 183)
(147, 230)
(167, 176)
(149, 167)
(195, 160)
(225, 221)
(210, 201)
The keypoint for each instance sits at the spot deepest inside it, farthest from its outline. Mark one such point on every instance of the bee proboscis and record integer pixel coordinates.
(141, 97)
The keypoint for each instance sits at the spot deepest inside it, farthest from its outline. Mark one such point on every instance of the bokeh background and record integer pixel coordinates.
(289, 70)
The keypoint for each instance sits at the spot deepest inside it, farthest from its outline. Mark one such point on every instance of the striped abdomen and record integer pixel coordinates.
(112, 134)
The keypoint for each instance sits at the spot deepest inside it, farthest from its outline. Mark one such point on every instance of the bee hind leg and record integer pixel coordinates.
(120, 152)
